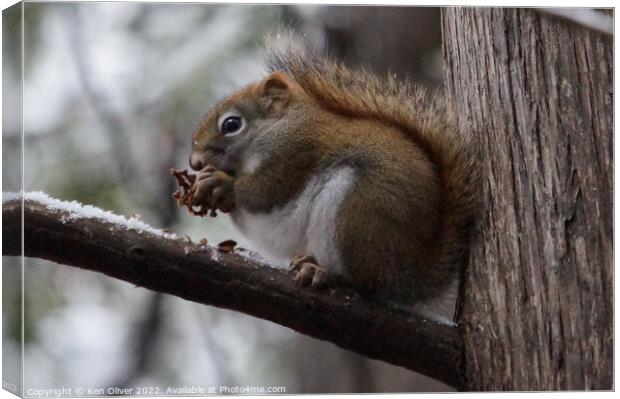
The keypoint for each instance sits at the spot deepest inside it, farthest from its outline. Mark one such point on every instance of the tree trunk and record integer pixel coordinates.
(537, 295)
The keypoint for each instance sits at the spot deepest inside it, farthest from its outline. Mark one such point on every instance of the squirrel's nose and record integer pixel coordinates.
(195, 161)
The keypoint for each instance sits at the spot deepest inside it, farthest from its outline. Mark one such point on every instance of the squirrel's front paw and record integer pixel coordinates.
(308, 272)
(214, 188)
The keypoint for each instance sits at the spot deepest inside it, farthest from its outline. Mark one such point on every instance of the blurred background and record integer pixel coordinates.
(112, 94)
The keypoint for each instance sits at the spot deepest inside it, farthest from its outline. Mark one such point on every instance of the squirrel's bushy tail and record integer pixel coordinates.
(426, 120)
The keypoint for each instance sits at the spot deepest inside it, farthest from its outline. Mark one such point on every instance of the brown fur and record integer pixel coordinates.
(403, 230)
(428, 124)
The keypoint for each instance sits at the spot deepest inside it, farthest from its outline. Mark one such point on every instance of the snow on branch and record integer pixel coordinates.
(127, 249)
(75, 210)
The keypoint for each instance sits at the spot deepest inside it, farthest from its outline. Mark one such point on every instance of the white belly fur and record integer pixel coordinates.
(304, 226)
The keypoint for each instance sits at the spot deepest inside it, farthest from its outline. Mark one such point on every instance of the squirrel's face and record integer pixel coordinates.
(234, 129)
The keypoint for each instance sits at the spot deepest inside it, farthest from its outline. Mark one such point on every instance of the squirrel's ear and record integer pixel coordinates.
(275, 91)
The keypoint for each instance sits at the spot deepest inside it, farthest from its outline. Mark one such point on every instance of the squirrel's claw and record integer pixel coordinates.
(308, 273)
(299, 260)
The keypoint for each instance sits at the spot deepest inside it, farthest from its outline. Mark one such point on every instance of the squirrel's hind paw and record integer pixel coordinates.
(308, 273)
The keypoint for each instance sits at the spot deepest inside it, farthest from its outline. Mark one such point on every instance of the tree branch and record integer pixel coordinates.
(233, 281)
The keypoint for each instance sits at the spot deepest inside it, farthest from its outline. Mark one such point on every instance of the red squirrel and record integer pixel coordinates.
(344, 173)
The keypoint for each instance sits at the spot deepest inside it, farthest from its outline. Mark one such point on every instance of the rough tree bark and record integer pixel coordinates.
(537, 94)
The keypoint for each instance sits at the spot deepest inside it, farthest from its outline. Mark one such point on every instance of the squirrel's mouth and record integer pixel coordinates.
(214, 156)
(208, 156)
(223, 163)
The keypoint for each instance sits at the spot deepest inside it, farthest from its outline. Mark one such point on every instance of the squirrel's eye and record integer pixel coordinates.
(231, 125)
